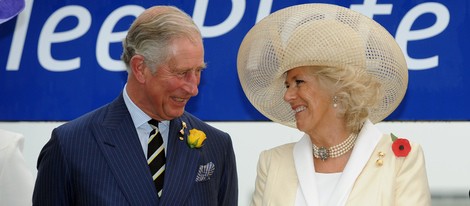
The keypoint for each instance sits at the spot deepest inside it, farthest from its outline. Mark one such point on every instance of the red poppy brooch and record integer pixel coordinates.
(401, 147)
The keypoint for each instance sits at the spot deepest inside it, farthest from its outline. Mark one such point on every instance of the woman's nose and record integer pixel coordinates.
(289, 95)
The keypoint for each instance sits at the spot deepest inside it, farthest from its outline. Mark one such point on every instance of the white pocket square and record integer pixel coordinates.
(205, 172)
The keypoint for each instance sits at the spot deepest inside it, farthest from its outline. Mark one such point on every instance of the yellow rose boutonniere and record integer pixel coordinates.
(196, 138)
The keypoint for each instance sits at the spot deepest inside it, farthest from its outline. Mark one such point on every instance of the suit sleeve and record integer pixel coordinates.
(53, 179)
(411, 183)
(260, 183)
(228, 194)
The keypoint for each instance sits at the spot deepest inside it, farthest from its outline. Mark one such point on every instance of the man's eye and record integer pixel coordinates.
(181, 74)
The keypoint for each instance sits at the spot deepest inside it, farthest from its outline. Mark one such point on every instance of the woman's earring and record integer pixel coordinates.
(335, 101)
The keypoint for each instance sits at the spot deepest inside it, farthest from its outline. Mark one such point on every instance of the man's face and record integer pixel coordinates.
(176, 81)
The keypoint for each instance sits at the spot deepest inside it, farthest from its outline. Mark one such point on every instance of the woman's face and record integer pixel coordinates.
(311, 102)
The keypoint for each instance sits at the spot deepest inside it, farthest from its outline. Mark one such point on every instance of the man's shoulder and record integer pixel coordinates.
(117, 106)
(85, 120)
(200, 124)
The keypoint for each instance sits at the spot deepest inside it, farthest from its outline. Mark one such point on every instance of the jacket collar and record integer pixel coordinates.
(118, 139)
(367, 139)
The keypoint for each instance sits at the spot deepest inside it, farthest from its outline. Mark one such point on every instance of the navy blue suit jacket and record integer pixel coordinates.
(97, 159)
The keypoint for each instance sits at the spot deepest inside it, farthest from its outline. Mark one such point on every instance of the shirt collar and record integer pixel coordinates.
(138, 116)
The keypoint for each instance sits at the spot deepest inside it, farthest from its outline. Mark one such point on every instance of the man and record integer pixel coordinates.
(102, 158)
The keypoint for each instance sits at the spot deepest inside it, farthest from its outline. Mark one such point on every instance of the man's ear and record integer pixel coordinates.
(137, 65)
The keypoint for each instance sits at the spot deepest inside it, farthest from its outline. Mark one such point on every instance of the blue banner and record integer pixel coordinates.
(60, 59)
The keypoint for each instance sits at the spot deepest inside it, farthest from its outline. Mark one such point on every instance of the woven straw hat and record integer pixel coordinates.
(317, 35)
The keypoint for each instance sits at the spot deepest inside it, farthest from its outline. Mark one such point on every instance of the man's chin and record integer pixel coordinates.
(177, 113)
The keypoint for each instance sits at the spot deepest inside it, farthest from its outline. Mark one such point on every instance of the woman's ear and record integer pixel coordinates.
(138, 65)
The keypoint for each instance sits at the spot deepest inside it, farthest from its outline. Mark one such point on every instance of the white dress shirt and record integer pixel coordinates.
(141, 119)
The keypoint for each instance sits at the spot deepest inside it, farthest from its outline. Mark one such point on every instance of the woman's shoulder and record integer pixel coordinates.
(10, 139)
(397, 144)
(282, 148)
(278, 157)
(400, 148)
(279, 152)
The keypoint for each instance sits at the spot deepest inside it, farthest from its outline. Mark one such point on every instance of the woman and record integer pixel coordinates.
(16, 179)
(332, 73)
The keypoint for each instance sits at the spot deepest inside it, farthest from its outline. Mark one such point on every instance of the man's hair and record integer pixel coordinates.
(150, 35)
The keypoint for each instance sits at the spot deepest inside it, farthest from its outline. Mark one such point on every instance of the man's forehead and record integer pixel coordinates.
(173, 66)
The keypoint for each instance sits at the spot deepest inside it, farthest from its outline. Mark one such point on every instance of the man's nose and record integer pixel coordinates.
(192, 82)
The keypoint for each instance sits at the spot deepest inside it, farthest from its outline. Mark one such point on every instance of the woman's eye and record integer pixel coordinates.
(298, 81)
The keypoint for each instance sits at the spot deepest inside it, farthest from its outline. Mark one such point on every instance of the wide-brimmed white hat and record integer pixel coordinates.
(318, 35)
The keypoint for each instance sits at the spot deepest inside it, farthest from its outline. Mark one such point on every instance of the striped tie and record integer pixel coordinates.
(156, 156)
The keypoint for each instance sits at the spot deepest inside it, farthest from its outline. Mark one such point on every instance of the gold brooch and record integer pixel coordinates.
(380, 161)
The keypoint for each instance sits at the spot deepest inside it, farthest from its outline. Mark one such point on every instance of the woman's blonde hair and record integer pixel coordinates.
(356, 92)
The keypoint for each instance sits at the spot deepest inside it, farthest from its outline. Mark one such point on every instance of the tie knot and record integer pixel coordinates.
(153, 123)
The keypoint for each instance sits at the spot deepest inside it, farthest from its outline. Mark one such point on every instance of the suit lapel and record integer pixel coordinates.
(119, 142)
(365, 144)
(304, 165)
(182, 164)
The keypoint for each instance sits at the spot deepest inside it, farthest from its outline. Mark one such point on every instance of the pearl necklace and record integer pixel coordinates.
(324, 153)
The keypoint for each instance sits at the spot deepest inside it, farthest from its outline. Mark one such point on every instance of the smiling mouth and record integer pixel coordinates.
(179, 99)
(299, 109)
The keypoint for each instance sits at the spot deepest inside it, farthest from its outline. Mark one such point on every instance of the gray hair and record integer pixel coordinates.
(151, 33)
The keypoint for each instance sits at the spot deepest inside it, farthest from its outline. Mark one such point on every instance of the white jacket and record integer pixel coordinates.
(286, 175)
(16, 180)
